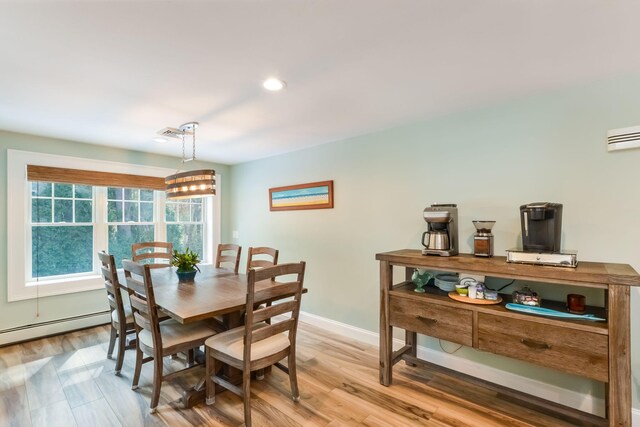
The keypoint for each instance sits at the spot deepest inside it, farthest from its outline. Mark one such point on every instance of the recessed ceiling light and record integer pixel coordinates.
(274, 84)
(160, 139)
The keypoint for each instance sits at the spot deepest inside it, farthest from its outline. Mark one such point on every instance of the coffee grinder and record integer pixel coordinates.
(483, 239)
(441, 237)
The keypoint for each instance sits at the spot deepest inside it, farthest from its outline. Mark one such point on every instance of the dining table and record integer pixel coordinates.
(214, 293)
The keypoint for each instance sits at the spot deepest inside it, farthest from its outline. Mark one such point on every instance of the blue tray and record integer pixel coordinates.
(552, 313)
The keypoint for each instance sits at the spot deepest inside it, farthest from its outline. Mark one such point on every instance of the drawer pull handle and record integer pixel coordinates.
(427, 319)
(540, 345)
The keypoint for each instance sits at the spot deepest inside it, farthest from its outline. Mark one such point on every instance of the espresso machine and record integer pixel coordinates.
(441, 237)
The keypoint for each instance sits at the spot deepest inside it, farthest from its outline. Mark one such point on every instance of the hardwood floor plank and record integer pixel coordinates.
(79, 387)
(55, 415)
(14, 407)
(42, 383)
(131, 408)
(95, 414)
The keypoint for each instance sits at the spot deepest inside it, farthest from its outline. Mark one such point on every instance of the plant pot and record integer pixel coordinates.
(186, 276)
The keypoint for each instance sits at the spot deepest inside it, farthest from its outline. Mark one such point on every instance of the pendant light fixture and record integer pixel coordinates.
(192, 183)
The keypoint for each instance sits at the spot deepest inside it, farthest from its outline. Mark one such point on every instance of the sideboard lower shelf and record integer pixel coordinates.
(595, 350)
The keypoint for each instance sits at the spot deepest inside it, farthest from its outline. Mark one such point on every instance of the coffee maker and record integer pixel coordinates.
(541, 231)
(541, 226)
(442, 230)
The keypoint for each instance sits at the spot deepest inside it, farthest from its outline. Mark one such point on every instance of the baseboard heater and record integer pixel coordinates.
(53, 327)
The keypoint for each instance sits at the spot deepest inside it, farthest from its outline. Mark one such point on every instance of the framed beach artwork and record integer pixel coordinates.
(314, 195)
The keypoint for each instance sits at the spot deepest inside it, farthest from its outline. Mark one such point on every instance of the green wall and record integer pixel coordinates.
(489, 161)
(62, 306)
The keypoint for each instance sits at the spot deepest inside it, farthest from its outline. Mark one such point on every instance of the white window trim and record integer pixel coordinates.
(18, 288)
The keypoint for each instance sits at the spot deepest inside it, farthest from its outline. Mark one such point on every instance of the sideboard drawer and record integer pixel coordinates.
(451, 324)
(577, 352)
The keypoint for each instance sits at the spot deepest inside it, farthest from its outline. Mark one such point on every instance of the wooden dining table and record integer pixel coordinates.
(215, 292)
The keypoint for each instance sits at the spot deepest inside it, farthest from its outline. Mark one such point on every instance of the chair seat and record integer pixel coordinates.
(231, 343)
(127, 314)
(174, 333)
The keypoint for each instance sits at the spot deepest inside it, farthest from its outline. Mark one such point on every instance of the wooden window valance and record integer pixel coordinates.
(104, 179)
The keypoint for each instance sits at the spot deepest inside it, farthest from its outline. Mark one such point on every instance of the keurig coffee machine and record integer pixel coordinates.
(541, 232)
(541, 227)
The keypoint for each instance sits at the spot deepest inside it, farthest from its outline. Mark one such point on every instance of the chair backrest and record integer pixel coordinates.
(142, 297)
(285, 298)
(155, 254)
(111, 283)
(229, 253)
(261, 263)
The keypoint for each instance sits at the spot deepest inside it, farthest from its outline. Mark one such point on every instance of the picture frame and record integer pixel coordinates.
(313, 195)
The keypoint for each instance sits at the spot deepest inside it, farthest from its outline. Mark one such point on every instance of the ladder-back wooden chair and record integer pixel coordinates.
(269, 257)
(155, 254)
(121, 316)
(257, 344)
(157, 340)
(228, 254)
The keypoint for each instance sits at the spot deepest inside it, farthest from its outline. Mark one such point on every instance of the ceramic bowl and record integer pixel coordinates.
(462, 289)
(446, 282)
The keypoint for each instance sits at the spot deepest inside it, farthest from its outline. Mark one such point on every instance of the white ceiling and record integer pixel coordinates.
(115, 72)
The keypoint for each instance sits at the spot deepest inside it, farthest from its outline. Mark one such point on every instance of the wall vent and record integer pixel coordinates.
(623, 139)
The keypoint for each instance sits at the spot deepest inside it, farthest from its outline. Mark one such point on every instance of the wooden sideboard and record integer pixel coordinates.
(596, 350)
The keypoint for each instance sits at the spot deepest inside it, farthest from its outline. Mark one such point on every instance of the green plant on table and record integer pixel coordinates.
(185, 261)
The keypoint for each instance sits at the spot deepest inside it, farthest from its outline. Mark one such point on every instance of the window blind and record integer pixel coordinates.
(104, 179)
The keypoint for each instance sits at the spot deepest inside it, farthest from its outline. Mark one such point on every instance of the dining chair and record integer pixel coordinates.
(157, 339)
(257, 344)
(121, 316)
(156, 254)
(228, 253)
(261, 263)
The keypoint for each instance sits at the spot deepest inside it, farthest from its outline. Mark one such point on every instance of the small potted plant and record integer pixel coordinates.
(187, 263)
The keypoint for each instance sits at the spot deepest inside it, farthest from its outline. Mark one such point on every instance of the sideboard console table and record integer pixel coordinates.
(595, 350)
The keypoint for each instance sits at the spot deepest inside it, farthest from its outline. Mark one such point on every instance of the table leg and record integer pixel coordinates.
(619, 386)
(386, 331)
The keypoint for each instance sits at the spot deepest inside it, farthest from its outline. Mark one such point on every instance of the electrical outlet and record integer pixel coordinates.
(236, 235)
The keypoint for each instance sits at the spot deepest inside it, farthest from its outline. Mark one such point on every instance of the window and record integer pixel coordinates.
(130, 220)
(61, 229)
(55, 229)
(185, 224)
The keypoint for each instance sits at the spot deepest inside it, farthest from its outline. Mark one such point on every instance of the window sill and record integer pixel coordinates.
(48, 288)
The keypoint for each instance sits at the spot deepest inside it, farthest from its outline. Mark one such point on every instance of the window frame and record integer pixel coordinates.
(19, 223)
(29, 277)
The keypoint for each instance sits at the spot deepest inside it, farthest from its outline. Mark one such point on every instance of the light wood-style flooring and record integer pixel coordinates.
(67, 381)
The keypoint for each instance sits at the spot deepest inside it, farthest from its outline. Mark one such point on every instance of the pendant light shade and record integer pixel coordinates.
(196, 183)
(193, 183)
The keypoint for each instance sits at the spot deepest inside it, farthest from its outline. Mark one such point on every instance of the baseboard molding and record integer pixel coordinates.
(635, 417)
(40, 330)
(581, 401)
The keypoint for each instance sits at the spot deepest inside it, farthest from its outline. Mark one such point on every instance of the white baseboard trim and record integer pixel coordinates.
(52, 328)
(635, 417)
(573, 399)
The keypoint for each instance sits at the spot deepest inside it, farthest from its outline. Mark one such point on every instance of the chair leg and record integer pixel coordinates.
(191, 357)
(138, 368)
(246, 391)
(293, 377)
(122, 338)
(209, 371)
(157, 381)
(112, 341)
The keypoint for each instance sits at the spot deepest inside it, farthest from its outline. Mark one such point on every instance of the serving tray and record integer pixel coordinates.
(458, 297)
